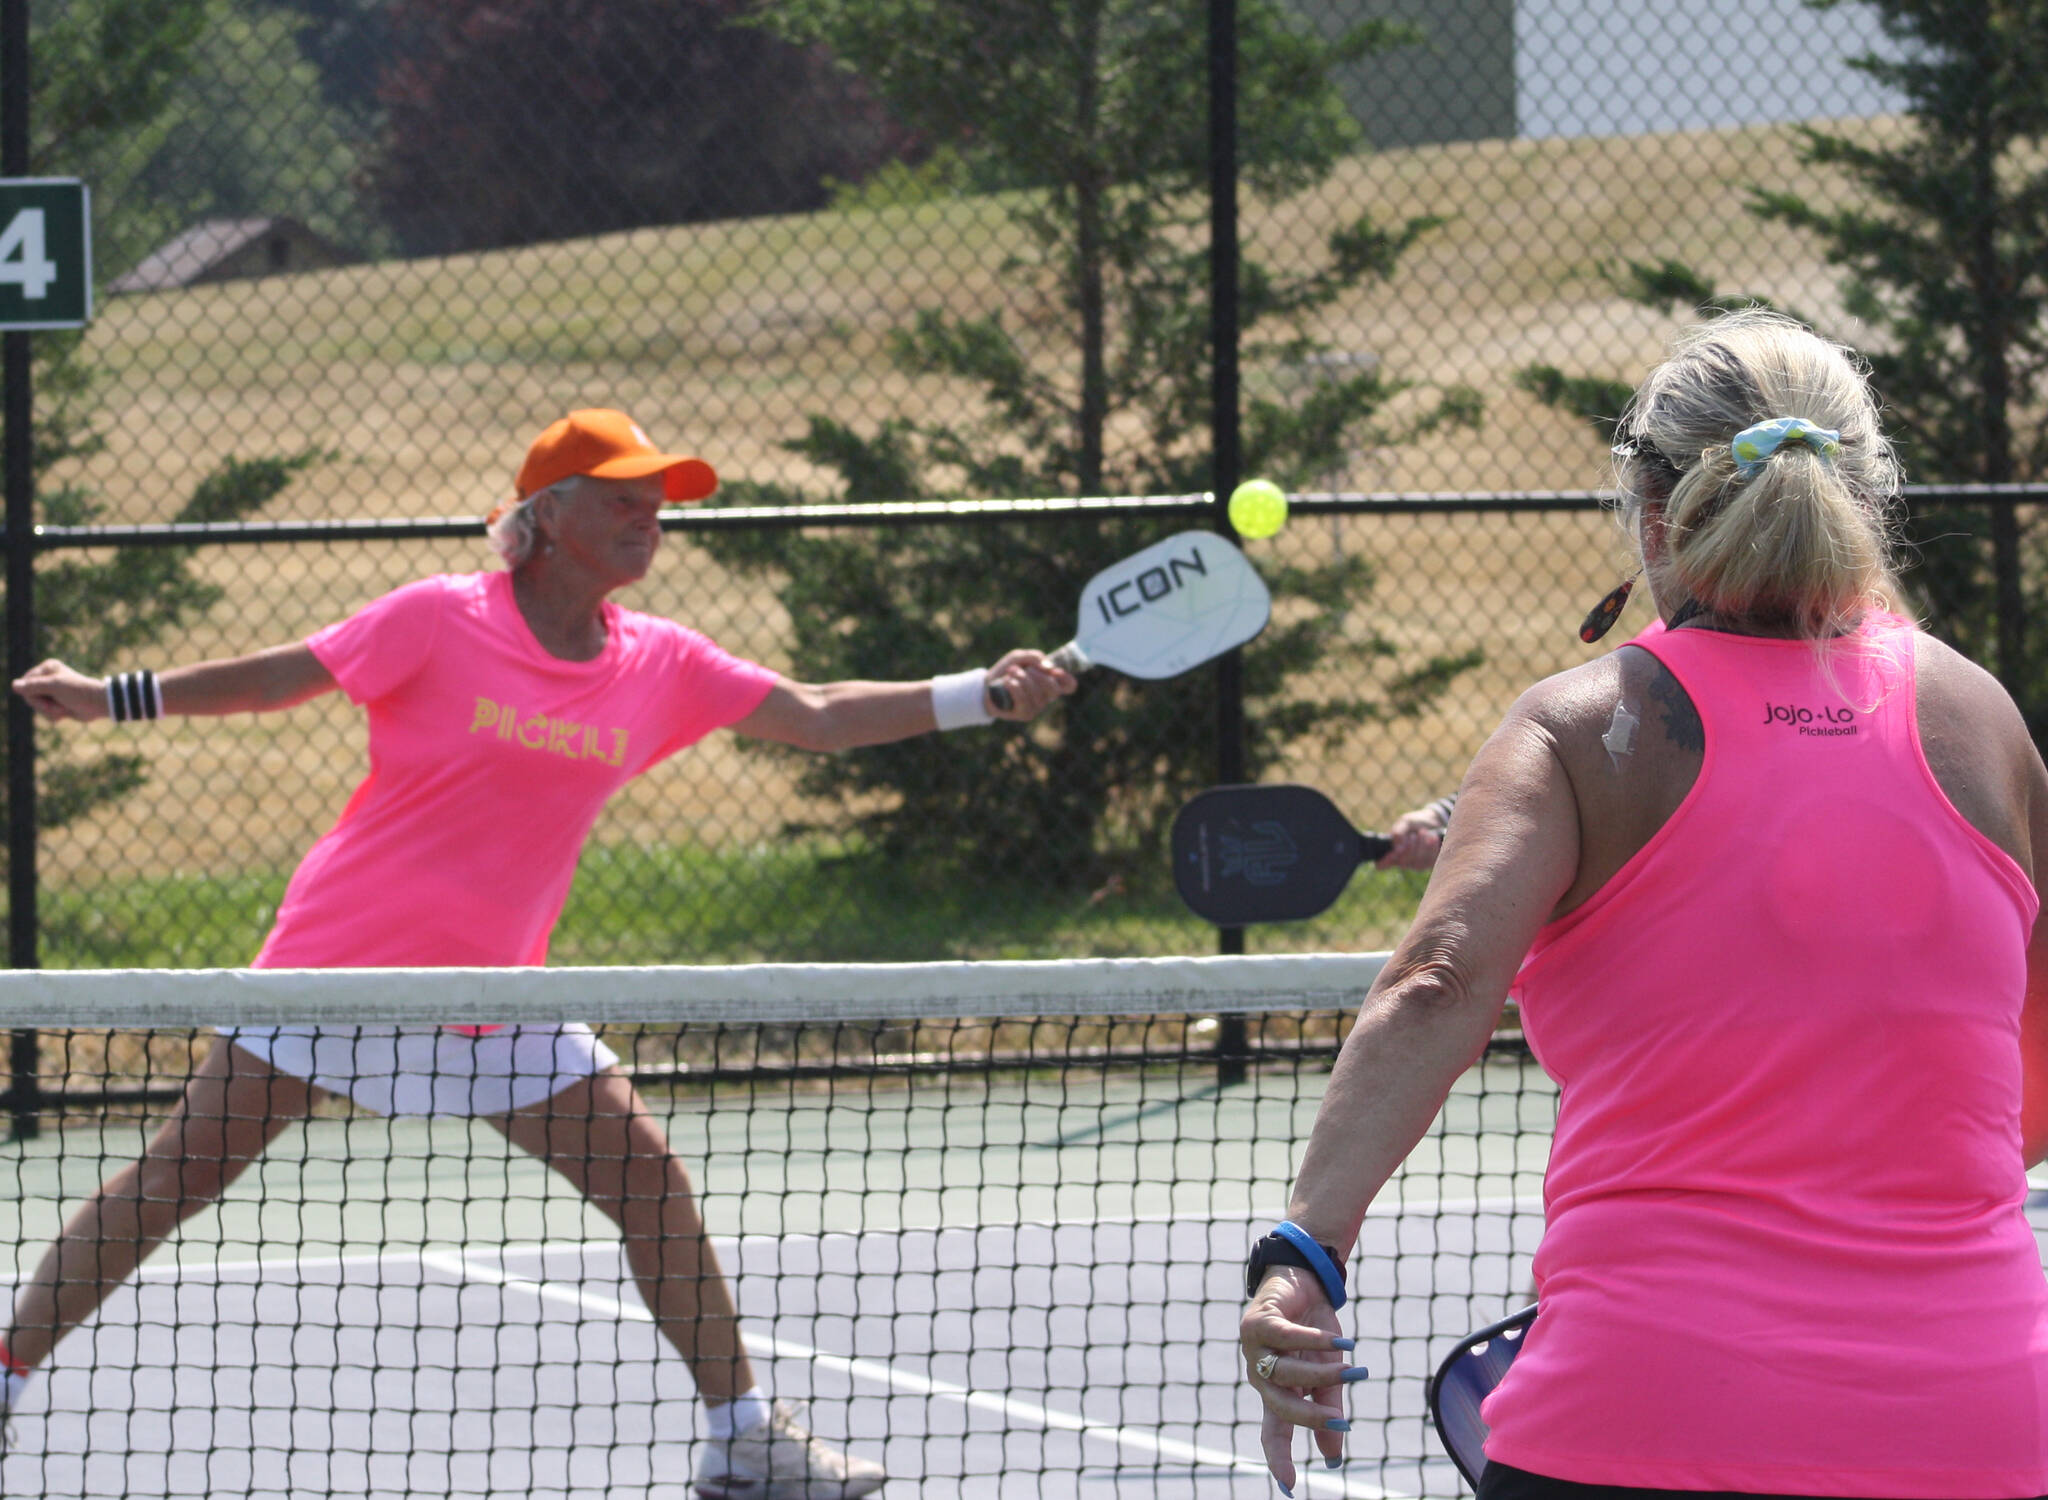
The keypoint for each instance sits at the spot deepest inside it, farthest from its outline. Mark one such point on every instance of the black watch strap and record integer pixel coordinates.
(1278, 1250)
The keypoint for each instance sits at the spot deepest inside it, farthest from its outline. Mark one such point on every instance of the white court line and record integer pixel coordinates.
(1445, 1207)
(1008, 1407)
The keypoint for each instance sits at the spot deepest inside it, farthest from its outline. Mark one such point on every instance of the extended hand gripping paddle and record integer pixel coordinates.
(1245, 854)
(1163, 610)
(1466, 1378)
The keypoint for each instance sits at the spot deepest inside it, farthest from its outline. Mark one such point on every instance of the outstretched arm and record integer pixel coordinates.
(1426, 1019)
(844, 715)
(1430, 1013)
(276, 678)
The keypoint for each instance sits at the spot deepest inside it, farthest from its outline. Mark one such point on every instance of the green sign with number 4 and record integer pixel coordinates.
(45, 253)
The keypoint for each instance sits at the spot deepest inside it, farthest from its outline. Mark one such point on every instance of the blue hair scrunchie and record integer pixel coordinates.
(1753, 445)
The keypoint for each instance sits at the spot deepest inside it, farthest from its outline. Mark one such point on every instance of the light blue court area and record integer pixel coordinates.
(1023, 1283)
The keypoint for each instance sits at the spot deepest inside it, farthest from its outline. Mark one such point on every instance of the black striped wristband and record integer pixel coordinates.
(134, 695)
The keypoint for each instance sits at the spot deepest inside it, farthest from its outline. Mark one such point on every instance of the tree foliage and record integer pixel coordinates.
(95, 612)
(349, 43)
(104, 75)
(246, 133)
(180, 110)
(1944, 255)
(1096, 381)
(507, 122)
(109, 79)
(1948, 254)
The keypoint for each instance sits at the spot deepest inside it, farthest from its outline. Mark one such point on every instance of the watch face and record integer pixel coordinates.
(1254, 1269)
(1268, 1252)
(1278, 1250)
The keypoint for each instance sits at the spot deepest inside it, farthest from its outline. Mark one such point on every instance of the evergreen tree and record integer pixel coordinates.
(1100, 385)
(107, 83)
(1949, 262)
(1945, 257)
(247, 133)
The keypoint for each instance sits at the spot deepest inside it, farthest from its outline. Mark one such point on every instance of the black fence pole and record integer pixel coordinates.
(17, 473)
(1226, 461)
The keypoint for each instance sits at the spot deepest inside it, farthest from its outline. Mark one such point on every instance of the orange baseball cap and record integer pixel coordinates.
(606, 445)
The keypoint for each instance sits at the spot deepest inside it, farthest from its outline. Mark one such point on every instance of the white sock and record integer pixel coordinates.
(745, 1412)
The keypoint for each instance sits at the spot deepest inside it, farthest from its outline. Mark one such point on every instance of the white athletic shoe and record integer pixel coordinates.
(780, 1461)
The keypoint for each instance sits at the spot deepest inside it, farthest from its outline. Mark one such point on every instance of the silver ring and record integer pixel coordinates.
(1266, 1365)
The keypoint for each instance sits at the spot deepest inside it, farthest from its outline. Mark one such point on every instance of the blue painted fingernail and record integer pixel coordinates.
(1337, 1424)
(1335, 1463)
(1356, 1372)
(1285, 1490)
(1343, 1343)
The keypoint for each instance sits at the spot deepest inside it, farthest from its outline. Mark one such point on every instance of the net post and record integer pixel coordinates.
(24, 1097)
(1233, 1049)
(1226, 452)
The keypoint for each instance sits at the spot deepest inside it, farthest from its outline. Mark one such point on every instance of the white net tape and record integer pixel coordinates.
(739, 993)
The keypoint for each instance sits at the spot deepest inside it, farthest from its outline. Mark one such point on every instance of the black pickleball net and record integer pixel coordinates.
(1001, 1251)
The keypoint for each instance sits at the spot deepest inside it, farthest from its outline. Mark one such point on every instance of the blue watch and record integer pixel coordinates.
(1291, 1245)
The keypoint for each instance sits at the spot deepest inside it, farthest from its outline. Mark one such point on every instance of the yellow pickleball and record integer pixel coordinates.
(1258, 508)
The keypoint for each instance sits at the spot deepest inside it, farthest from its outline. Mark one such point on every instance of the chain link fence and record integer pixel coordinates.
(721, 855)
(403, 236)
(354, 254)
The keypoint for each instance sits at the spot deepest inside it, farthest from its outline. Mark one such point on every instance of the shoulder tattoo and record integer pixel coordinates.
(1681, 720)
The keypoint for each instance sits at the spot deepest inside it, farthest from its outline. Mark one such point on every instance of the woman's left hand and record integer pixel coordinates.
(1417, 838)
(1291, 1323)
(1032, 680)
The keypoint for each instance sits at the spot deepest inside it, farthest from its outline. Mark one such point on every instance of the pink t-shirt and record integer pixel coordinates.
(489, 762)
(1784, 1248)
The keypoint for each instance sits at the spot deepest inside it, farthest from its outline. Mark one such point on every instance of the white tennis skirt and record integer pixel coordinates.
(430, 1070)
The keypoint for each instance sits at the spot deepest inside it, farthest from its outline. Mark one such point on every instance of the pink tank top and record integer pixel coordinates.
(1784, 1247)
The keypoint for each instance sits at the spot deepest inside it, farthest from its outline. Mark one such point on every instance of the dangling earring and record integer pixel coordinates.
(1601, 618)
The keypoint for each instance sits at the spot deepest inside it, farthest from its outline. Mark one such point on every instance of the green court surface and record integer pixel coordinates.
(943, 1151)
(1027, 1282)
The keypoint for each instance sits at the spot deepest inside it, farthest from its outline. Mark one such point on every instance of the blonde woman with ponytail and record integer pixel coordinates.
(1762, 884)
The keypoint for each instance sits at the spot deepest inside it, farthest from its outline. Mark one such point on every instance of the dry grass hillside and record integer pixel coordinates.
(425, 379)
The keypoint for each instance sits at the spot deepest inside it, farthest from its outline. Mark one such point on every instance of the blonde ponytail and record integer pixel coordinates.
(1797, 538)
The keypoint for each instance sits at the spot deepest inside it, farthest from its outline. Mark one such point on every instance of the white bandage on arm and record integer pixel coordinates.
(960, 699)
(1620, 738)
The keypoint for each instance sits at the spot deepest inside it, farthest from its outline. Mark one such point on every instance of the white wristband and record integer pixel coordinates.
(959, 699)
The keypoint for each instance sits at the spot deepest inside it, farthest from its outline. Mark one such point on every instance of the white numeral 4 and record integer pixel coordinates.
(23, 262)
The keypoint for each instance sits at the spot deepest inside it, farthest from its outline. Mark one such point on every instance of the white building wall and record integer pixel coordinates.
(1624, 67)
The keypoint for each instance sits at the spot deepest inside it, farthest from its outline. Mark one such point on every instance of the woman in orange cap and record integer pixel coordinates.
(527, 688)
